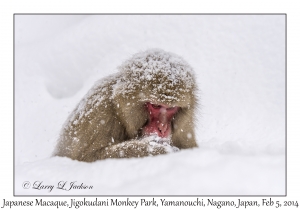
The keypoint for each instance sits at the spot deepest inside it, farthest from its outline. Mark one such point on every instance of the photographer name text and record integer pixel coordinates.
(62, 185)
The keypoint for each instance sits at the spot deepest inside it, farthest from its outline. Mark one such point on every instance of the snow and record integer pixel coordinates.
(239, 65)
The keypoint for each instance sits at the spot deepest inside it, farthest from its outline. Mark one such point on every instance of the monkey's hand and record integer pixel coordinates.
(148, 146)
(154, 142)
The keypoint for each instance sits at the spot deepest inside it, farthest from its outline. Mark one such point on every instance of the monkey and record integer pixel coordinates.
(145, 109)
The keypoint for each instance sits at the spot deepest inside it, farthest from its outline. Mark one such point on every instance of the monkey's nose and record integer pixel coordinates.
(162, 127)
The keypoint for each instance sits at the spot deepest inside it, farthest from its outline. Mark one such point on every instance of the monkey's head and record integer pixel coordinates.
(154, 87)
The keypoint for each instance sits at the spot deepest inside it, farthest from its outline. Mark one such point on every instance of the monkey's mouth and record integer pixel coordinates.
(162, 130)
(159, 119)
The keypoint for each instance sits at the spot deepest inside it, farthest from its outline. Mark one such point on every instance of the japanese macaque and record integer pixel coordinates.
(145, 109)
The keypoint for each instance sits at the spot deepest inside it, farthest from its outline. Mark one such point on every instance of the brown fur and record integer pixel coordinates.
(107, 123)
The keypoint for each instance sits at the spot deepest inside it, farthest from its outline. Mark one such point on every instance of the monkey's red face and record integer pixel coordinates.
(160, 117)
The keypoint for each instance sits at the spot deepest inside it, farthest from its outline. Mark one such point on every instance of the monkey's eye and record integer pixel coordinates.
(155, 106)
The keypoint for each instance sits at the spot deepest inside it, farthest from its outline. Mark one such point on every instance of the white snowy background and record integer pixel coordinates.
(240, 67)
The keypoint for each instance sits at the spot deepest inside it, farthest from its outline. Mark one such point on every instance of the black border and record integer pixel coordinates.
(14, 194)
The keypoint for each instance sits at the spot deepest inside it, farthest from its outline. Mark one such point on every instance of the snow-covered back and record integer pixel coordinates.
(239, 64)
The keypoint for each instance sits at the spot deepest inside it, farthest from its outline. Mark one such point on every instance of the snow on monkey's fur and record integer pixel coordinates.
(167, 76)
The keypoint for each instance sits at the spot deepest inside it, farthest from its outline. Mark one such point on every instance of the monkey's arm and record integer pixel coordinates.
(132, 148)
